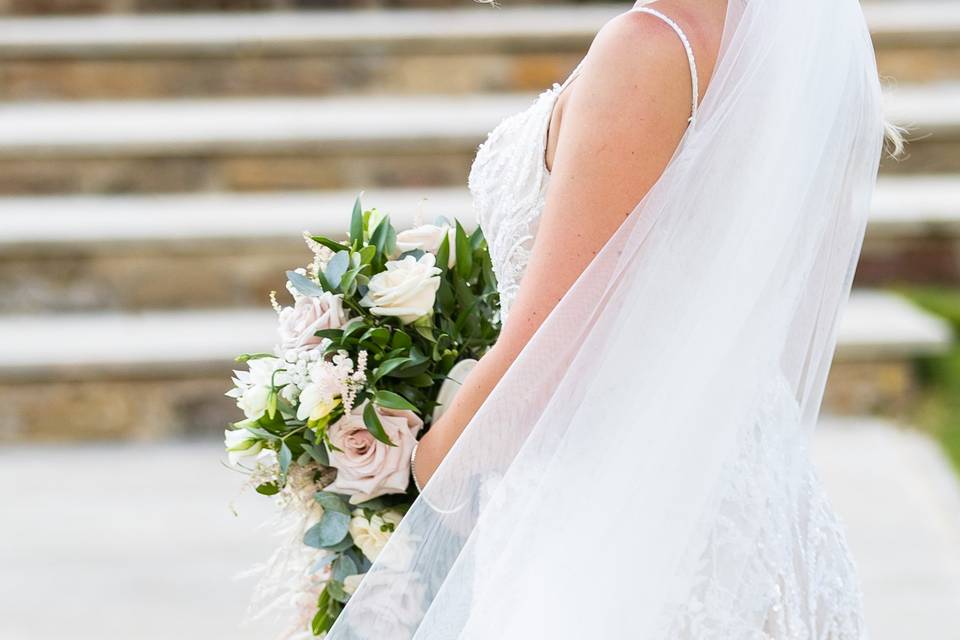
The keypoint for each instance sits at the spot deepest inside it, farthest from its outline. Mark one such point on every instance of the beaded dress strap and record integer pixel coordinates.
(690, 59)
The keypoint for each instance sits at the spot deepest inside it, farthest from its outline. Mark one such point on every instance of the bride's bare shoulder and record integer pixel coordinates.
(636, 42)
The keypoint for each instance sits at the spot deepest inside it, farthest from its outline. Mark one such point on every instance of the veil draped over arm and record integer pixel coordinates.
(579, 496)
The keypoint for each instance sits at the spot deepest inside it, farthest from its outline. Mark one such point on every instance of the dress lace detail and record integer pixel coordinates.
(776, 565)
(508, 184)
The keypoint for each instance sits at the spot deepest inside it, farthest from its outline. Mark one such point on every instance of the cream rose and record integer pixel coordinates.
(308, 315)
(352, 582)
(428, 237)
(405, 290)
(367, 468)
(371, 535)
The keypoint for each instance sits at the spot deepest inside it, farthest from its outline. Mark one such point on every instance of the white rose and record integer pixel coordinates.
(350, 583)
(240, 444)
(428, 237)
(371, 535)
(310, 314)
(405, 290)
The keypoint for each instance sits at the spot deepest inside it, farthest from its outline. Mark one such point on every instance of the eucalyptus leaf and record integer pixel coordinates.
(284, 457)
(303, 284)
(344, 566)
(336, 267)
(332, 529)
(332, 502)
(317, 452)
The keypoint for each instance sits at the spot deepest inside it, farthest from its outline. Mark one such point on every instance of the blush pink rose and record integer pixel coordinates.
(308, 315)
(367, 468)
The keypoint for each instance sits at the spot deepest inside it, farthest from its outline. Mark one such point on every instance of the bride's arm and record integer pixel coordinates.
(624, 116)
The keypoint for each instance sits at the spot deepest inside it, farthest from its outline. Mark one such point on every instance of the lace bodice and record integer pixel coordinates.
(797, 580)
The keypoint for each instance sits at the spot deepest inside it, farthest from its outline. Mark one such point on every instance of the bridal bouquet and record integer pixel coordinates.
(377, 323)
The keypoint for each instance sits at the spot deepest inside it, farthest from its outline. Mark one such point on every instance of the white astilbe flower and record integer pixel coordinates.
(321, 254)
(324, 381)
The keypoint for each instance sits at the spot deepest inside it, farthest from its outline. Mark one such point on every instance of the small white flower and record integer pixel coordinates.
(428, 237)
(371, 535)
(252, 387)
(240, 444)
(406, 290)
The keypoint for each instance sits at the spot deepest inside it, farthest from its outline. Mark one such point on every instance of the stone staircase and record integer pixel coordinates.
(156, 172)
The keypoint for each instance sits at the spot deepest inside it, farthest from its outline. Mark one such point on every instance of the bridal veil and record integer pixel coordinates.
(578, 499)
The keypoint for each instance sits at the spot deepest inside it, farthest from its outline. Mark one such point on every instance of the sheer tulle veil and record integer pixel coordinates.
(578, 499)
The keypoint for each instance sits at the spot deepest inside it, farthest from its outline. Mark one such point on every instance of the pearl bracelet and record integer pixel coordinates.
(413, 467)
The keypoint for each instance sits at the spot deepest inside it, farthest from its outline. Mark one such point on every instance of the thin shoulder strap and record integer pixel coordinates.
(686, 45)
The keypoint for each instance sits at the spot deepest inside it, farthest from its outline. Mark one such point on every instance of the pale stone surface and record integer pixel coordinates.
(138, 541)
(900, 502)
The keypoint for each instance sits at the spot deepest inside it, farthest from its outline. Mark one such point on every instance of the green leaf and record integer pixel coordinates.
(330, 244)
(379, 335)
(336, 267)
(392, 400)
(356, 224)
(443, 252)
(337, 592)
(380, 235)
(303, 284)
(400, 340)
(422, 380)
(464, 253)
(372, 422)
(476, 239)
(272, 404)
(332, 529)
(284, 457)
(268, 489)
(246, 357)
(389, 365)
(323, 620)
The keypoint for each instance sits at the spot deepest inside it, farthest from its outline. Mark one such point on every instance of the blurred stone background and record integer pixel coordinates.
(158, 162)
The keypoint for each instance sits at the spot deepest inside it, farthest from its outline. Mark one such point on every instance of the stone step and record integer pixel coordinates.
(470, 49)
(161, 374)
(314, 143)
(123, 253)
(914, 232)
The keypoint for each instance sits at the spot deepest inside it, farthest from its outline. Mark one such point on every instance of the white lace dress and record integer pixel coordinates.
(793, 577)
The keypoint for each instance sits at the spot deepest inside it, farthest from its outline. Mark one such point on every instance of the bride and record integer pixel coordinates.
(674, 230)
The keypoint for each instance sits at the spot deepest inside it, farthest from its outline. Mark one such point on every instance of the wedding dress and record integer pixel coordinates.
(643, 469)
